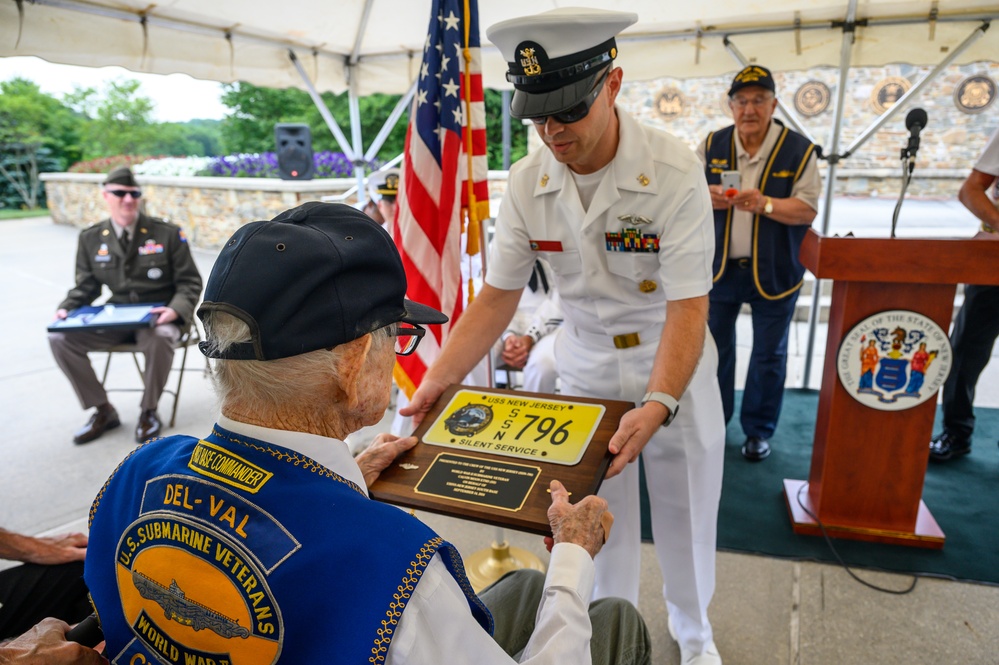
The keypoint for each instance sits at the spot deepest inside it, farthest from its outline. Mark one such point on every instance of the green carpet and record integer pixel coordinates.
(962, 496)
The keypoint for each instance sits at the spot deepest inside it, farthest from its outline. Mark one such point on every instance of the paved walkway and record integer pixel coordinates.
(765, 610)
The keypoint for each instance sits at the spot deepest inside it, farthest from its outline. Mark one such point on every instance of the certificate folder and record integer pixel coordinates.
(108, 317)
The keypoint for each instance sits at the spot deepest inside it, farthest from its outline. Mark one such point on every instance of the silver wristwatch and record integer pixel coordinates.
(672, 406)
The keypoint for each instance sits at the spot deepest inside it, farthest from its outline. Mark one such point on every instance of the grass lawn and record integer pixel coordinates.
(18, 214)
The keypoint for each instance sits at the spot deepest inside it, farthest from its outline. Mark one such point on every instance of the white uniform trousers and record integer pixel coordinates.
(683, 469)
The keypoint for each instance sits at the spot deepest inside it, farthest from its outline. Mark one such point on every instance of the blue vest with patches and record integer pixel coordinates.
(776, 268)
(235, 551)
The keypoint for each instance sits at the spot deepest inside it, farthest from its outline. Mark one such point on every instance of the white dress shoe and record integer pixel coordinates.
(709, 656)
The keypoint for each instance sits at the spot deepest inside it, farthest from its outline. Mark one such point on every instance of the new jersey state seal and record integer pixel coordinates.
(894, 360)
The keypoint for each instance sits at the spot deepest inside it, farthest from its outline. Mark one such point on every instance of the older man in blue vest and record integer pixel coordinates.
(759, 226)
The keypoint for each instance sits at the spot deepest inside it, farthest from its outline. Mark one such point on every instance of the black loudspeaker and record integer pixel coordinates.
(294, 151)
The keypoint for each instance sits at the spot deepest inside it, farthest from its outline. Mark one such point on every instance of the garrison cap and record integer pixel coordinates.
(753, 75)
(121, 176)
(554, 57)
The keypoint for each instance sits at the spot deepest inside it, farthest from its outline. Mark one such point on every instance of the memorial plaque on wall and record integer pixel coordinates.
(975, 94)
(812, 98)
(888, 91)
(489, 455)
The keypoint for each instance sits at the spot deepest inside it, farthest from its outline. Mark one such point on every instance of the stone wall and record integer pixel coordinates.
(949, 146)
(208, 209)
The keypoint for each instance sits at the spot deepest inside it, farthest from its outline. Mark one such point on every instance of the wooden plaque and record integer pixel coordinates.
(489, 455)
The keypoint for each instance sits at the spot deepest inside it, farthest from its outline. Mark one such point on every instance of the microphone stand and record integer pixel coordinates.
(908, 164)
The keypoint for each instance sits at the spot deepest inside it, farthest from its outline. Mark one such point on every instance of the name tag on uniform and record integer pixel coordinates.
(546, 245)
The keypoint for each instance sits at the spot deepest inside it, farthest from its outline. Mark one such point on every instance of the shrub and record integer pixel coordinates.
(106, 164)
(264, 165)
(173, 166)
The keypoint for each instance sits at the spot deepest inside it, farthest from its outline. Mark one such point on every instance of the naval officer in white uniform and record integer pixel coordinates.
(623, 215)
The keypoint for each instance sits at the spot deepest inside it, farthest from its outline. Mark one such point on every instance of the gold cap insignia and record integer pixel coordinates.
(529, 61)
(643, 180)
(647, 286)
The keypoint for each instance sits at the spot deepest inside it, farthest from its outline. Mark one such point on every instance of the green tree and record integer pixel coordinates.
(255, 110)
(119, 119)
(494, 132)
(37, 133)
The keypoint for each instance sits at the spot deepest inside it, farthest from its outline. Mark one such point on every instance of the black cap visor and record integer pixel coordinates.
(417, 313)
(526, 105)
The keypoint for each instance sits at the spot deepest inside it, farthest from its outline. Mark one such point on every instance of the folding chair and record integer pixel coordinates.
(189, 338)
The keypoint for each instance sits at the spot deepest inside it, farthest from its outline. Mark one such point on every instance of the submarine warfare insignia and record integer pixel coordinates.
(178, 607)
(469, 419)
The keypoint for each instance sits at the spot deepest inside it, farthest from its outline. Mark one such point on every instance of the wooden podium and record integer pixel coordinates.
(868, 466)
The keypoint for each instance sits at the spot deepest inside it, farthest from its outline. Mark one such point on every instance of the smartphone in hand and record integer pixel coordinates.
(731, 182)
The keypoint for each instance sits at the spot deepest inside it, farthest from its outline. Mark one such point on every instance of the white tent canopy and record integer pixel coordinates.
(368, 46)
(375, 45)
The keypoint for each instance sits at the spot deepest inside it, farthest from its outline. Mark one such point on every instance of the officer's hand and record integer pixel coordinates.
(61, 314)
(718, 199)
(587, 524)
(423, 399)
(633, 432)
(751, 200)
(381, 453)
(45, 644)
(56, 549)
(515, 350)
(167, 315)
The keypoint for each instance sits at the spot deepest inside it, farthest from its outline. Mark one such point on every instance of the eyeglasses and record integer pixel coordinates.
(580, 110)
(743, 102)
(122, 193)
(407, 337)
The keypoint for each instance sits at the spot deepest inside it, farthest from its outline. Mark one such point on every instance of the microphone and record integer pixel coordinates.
(915, 121)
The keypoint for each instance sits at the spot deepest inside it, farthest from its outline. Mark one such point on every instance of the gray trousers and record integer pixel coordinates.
(156, 344)
(619, 633)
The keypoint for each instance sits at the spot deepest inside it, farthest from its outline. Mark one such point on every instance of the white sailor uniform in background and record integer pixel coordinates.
(613, 283)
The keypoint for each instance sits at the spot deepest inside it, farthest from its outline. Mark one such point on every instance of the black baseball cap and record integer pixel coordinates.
(314, 277)
(750, 76)
(555, 58)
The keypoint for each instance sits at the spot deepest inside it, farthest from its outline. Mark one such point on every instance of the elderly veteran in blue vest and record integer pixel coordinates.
(759, 227)
(259, 544)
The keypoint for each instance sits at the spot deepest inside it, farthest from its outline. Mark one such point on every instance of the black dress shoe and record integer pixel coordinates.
(104, 418)
(149, 425)
(755, 449)
(945, 446)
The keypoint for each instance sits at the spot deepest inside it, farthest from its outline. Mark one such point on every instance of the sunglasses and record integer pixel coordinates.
(407, 337)
(122, 193)
(580, 110)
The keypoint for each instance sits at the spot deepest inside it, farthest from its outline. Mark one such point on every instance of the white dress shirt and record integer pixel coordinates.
(437, 625)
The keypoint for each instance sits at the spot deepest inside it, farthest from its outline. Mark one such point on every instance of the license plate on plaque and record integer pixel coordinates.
(546, 430)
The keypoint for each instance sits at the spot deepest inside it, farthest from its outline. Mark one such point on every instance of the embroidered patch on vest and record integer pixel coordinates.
(220, 464)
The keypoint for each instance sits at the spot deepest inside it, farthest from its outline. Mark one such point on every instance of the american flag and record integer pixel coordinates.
(434, 193)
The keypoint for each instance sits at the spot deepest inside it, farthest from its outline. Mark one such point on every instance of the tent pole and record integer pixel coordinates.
(849, 33)
(323, 111)
(506, 129)
(790, 115)
(355, 134)
(915, 90)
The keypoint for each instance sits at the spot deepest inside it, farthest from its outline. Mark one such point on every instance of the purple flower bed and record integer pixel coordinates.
(264, 165)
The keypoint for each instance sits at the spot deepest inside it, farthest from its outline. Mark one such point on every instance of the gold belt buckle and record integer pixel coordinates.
(626, 340)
